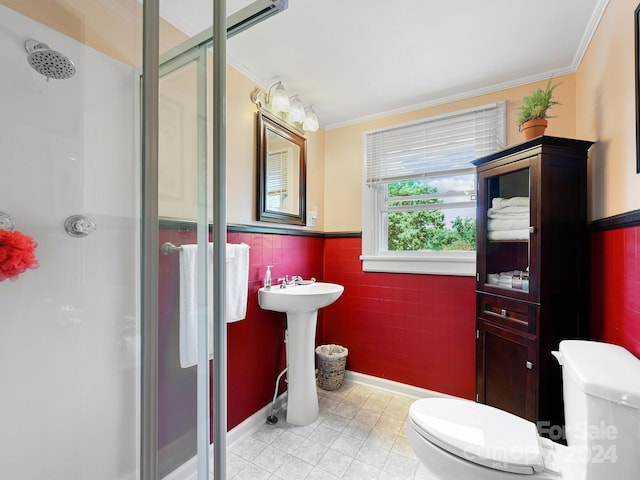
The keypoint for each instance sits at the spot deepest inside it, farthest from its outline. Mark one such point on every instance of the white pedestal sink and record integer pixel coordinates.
(301, 304)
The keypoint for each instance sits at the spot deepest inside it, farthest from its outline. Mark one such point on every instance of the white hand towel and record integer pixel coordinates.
(188, 306)
(510, 224)
(498, 203)
(237, 267)
(522, 234)
(509, 212)
(237, 282)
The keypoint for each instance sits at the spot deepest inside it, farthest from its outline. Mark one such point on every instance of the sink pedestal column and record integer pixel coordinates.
(302, 396)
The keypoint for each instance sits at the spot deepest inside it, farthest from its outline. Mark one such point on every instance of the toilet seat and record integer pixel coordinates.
(479, 433)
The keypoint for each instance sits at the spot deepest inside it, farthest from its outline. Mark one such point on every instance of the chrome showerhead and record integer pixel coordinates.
(48, 62)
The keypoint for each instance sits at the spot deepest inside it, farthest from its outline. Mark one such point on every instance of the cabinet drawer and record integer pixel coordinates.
(517, 315)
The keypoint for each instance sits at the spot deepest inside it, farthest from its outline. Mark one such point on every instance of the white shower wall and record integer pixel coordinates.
(69, 330)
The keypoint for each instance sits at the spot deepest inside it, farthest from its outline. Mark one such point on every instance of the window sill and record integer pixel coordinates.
(440, 263)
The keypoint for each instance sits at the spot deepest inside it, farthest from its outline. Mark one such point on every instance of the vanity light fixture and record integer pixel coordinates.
(290, 109)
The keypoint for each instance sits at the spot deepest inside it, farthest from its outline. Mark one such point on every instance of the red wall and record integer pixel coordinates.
(615, 287)
(414, 329)
(255, 345)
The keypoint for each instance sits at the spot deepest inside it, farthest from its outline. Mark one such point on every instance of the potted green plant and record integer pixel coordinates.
(533, 113)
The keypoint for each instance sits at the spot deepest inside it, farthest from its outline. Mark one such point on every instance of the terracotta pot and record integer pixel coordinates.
(533, 128)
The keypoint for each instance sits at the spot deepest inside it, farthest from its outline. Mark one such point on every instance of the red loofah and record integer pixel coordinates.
(16, 254)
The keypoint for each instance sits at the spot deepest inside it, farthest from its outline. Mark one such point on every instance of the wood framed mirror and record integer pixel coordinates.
(282, 172)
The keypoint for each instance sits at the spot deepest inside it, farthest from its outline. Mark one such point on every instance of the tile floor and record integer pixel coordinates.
(360, 435)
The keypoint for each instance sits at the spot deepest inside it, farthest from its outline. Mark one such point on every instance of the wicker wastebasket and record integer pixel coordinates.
(331, 360)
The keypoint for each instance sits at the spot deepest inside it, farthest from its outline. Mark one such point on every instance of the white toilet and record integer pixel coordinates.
(459, 439)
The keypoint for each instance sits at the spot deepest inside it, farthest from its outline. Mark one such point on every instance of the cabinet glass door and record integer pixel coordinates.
(506, 218)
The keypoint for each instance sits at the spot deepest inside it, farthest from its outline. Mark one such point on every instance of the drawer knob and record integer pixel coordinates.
(503, 312)
(529, 365)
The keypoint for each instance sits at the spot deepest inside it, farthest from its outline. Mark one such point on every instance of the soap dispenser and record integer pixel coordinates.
(267, 277)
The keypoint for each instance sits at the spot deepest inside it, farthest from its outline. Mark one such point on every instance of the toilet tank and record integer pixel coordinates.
(601, 389)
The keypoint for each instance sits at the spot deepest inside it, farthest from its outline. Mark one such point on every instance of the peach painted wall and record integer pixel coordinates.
(242, 159)
(343, 154)
(116, 30)
(113, 28)
(605, 99)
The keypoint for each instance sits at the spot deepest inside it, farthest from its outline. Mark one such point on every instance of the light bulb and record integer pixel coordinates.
(296, 114)
(311, 120)
(280, 99)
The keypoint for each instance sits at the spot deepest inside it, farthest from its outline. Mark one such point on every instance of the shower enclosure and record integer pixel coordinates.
(109, 113)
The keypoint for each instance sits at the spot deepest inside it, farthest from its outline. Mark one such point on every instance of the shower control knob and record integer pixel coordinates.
(79, 226)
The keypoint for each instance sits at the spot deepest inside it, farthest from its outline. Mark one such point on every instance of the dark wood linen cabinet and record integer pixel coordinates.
(532, 268)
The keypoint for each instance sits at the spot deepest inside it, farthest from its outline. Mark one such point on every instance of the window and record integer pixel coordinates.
(278, 166)
(419, 195)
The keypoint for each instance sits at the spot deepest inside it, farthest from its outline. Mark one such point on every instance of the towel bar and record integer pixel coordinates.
(168, 248)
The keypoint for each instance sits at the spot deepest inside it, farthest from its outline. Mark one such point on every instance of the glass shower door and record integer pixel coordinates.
(183, 302)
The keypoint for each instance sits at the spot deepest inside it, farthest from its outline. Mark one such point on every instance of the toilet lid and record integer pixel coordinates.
(479, 433)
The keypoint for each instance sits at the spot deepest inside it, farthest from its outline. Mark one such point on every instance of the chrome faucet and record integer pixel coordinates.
(286, 282)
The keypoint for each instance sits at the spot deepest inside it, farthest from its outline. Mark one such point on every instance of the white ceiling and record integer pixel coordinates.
(359, 59)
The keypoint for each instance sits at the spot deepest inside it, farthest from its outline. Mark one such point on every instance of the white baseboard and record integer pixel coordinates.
(252, 423)
(188, 470)
(390, 386)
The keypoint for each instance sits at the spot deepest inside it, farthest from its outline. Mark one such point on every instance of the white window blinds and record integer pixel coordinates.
(278, 172)
(435, 146)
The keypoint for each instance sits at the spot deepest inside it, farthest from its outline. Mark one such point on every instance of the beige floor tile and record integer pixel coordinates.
(347, 445)
(287, 442)
(372, 454)
(311, 452)
(324, 435)
(360, 435)
(270, 459)
(360, 471)
(293, 469)
(334, 462)
(400, 466)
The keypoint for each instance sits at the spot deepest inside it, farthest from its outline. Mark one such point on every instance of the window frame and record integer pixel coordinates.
(459, 263)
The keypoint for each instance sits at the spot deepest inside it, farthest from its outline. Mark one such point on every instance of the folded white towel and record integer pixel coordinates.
(189, 307)
(509, 212)
(510, 224)
(237, 282)
(237, 266)
(498, 203)
(521, 234)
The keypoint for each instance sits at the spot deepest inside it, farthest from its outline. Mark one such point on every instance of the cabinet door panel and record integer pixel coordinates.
(507, 231)
(507, 371)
